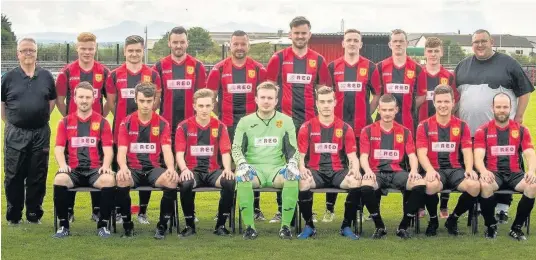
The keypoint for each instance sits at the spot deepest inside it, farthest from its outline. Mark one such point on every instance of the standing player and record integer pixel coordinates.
(328, 159)
(144, 137)
(385, 146)
(404, 79)
(86, 161)
(296, 70)
(235, 79)
(355, 80)
(266, 155)
(85, 68)
(499, 148)
(444, 149)
(202, 147)
(121, 96)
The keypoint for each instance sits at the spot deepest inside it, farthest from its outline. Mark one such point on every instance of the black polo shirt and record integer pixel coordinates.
(27, 99)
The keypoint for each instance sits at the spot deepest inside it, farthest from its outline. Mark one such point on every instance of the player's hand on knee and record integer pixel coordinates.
(471, 175)
(227, 174)
(487, 176)
(369, 175)
(123, 174)
(64, 169)
(172, 175)
(432, 176)
(530, 177)
(354, 174)
(186, 175)
(306, 173)
(105, 170)
(414, 176)
(245, 172)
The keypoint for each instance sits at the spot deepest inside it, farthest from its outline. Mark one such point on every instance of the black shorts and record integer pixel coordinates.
(507, 180)
(451, 178)
(146, 178)
(206, 179)
(329, 179)
(84, 178)
(392, 180)
(357, 146)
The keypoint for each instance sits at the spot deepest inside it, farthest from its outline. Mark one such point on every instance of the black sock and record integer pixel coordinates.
(279, 202)
(465, 202)
(166, 207)
(414, 201)
(431, 204)
(187, 202)
(487, 206)
(71, 198)
(523, 210)
(224, 209)
(61, 202)
(444, 200)
(95, 201)
(123, 197)
(106, 203)
(331, 198)
(256, 200)
(370, 200)
(145, 196)
(305, 201)
(350, 207)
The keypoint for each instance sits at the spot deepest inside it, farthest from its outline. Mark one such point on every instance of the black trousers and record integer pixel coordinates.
(26, 154)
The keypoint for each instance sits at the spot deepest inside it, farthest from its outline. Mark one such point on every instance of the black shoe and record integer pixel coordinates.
(14, 223)
(452, 226)
(379, 233)
(491, 232)
(502, 217)
(188, 231)
(285, 233)
(160, 233)
(431, 230)
(129, 233)
(402, 233)
(517, 234)
(221, 231)
(258, 215)
(250, 233)
(62, 233)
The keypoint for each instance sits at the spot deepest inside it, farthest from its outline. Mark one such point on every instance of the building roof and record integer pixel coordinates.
(504, 40)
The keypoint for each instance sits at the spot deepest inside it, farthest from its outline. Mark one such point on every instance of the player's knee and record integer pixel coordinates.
(106, 180)
(530, 191)
(187, 186)
(486, 189)
(62, 179)
(352, 183)
(228, 185)
(473, 188)
(304, 185)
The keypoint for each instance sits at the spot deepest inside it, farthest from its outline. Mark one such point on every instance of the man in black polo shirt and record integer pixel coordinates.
(28, 96)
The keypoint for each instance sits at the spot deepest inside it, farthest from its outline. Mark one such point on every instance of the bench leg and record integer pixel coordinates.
(240, 228)
(528, 225)
(55, 219)
(232, 216)
(177, 216)
(114, 224)
(417, 223)
(361, 221)
(474, 219)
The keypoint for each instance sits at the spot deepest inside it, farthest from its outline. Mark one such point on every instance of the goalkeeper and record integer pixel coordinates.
(265, 152)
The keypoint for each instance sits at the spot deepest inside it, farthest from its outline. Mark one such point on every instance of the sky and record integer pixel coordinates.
(498, 16)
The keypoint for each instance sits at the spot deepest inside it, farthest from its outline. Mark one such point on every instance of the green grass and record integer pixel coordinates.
(24, 241)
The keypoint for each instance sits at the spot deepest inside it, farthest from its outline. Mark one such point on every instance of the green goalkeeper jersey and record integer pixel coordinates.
(270, 142)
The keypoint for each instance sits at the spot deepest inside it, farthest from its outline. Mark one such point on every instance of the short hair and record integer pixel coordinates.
(83, 85)
(433, 42)
(323, 90)
(501, 94)
(443, 89)
(178, 30)
(268, 85)
(134, 39)
(388, 98)
(147, 88)
(351, 30)
(479, 31)
(86, 37)
(204, 93)
(298, 21)
(398, 31)
(27, 39)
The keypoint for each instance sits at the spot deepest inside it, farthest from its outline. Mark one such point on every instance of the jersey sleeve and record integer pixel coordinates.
(522, 84)
(225, 142)
(303, 138)
(180, 138)
(201, 76)
(262, 74)
(323, 73)
(422, 137)
(157, 81)
(213, 80)
(272, 70)
(158, 68)
(237, 146)
(364, 142)
(466, 141)
(165, 137)
(5, 83)
(410, 145)
(61, 134)
(61, 84)
(421, 81)
(480, 139)
(123, 135)
(452, 81)
(290, 147)
(106, 135)
(527, 140)
(110, 83)
(375, 85)
(349, 141)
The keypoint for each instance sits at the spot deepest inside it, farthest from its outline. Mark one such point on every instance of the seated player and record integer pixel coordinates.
(445, 151)
(202, 144)
(499, 148)
(143, 137)
(328, 149)
(86, 161)
(266, 155)
(385, 146)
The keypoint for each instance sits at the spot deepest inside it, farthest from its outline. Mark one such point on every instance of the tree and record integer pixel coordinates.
(8, 36)
(522, 59)
(261, 52)
(452, 53)
(199, 41)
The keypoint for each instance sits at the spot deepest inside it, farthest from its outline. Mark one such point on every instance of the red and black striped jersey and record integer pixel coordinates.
(72, 74)
(387, 150)
(504, 145)
(144, 141)
(443, 77)
(202, 145)
(83, 140)
(444, 142)
(326, 146)
(179, 82)
(353, 86)
(236, 87)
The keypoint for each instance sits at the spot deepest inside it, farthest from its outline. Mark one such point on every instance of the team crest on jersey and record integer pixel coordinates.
(190, 70)
(146, 78)
(312, 63)
(363, 72)
(338, 133)
(515, 133)
(98, 77)
(410, 74)
(95, 126)
(279, 123)
(400, 138)
(455, 131)
(251, 73)
(155, 130)
(444, 81)
(215, 132)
